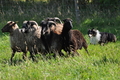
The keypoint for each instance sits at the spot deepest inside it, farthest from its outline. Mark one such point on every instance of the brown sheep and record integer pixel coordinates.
(17, 40)
(72, 39)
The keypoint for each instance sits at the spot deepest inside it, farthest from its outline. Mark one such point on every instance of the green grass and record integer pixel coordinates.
(103, 63)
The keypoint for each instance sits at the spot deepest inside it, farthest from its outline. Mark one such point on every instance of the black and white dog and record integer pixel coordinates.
(100, 37)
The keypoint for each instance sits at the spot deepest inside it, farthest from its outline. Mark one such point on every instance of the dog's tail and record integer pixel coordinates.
(115, 38)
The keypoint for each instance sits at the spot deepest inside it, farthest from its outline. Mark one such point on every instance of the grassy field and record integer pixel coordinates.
(103, 63)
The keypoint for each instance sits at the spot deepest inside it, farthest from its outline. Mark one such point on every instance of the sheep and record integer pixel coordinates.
(34, 31)
(33, 38)
(72, 39)
(17, 39)
(66, 39)
(55, 19)
(51, 31)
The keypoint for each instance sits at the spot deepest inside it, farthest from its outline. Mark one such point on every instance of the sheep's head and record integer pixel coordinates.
(29, 26)
(9, 27)
(55, 19)
(47, 27)
(67, 25)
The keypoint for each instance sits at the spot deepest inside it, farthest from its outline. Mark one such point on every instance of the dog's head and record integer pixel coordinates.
(92, 32)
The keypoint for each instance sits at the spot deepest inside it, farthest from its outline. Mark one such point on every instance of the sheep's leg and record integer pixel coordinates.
(61, 54)
(24, 55)
(69, 49)
(56, 54)
(13, 53)
(86, 51)
(85, 47)
(77, 53)
(32, 54)
(73, 53)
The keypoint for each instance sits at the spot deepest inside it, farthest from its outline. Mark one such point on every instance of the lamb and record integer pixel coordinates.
(33, 38)
(17, 39)
(72, 39)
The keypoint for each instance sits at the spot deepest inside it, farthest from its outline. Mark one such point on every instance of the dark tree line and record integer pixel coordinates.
(102, 3)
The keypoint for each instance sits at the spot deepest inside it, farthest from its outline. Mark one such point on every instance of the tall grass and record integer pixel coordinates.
(103, 63)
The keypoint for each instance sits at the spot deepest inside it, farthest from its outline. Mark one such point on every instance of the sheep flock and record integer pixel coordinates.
(49, 37)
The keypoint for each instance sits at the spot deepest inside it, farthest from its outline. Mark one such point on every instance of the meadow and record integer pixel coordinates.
(103, 63)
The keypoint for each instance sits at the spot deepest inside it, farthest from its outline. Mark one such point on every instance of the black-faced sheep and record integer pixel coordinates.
(72, 39)
(17, 39)
(51, 36)
(55, 19)
(33, 38)
(46, 28)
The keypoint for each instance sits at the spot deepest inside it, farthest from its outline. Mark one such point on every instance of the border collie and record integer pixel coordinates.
(100, 37)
